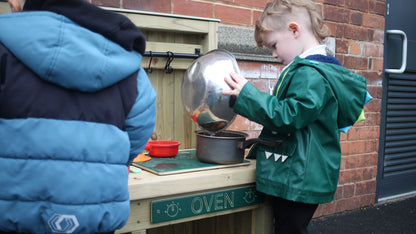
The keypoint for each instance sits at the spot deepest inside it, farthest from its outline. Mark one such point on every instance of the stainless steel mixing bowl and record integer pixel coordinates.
(202, 88)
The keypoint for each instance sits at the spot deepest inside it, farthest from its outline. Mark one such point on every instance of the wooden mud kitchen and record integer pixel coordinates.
(181, 194)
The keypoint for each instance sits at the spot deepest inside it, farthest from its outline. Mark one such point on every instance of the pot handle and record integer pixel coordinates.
(248, 143)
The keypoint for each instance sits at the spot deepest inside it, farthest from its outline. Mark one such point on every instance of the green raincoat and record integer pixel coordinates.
(312, 101)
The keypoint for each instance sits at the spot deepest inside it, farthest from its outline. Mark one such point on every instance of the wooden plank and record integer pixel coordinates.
(4, 8)
(179, 127)
(139, 218)
(166, 23)
(159, 63)
(139, 232)
(173, 47)
(173, 123)
(148, 185)
(162, 14)
(262, 219)
(177, 34)
(211, 41)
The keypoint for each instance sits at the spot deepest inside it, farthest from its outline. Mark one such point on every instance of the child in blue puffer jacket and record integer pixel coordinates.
(75, 109)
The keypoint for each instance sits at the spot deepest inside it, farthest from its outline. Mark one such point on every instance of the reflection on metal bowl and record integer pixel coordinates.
(202, 89)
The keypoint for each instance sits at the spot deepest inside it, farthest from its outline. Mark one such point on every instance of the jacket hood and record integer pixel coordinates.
(61, 52)
(114, 26)
(350, 89)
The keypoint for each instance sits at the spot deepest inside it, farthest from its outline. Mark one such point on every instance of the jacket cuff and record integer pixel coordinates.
(241, 103)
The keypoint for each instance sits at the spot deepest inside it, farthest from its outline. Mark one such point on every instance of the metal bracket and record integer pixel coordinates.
(170, 56)
(168, 68)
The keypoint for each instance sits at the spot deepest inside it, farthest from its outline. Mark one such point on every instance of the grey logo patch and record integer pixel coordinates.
(62, 223)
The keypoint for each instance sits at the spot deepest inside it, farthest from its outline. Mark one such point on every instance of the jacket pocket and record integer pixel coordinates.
(285, 150)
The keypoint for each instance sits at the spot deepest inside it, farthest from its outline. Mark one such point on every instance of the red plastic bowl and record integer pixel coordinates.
(162, 148)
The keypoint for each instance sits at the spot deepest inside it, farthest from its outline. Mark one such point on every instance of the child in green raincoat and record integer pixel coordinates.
(314, 98)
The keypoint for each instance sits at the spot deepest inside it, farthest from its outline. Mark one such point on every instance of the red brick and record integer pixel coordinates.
(107, 3)
(348, 176)
(189, 7)
(353, 147)
(343, 162)
(377, 7)
(334, 2)
(255, 126)
(354, 48)
(376, 36)
(371, 146)
(366, 160)
(318, 212)
(377, 91)
(347, 204)
(373, 119)
(365, 187)
(332, 27)
(149, 5)
(373, 106)
(371, 132)
(348, 190)
(232, 14)
(239, 124)
(257, 3)
(367, 200)
(252, 134)
(343, 136)
(338, 193)
(374, 78)
(329, 208)
(250, 70)
(356, 33)
(341, 46)
(373, 21)
(369, 173)
(376, 64)
(356, 18)
(363, 132)
(353, 62)
(336, 14)
(337, 30)
(373, 50)
(325, 209)
(351, 162)
(270, 71)
(354, 134)
(261, 85)
(361, 5)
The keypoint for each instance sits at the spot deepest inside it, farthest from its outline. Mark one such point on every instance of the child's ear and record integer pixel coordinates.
(295, 29)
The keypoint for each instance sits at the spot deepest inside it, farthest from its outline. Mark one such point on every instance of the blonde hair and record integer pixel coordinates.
(283, 11)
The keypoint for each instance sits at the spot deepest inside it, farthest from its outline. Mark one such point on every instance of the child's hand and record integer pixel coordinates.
(236, 83)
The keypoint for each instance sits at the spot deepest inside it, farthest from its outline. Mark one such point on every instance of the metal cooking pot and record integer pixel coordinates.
(202, 88)
(225, 147)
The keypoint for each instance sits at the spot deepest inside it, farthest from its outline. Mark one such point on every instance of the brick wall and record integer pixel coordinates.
(358, 29)
(358, 26)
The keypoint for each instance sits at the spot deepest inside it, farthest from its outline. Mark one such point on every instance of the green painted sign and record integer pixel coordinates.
(198, 204)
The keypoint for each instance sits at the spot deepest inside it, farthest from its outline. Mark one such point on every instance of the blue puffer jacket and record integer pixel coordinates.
(75, 108)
